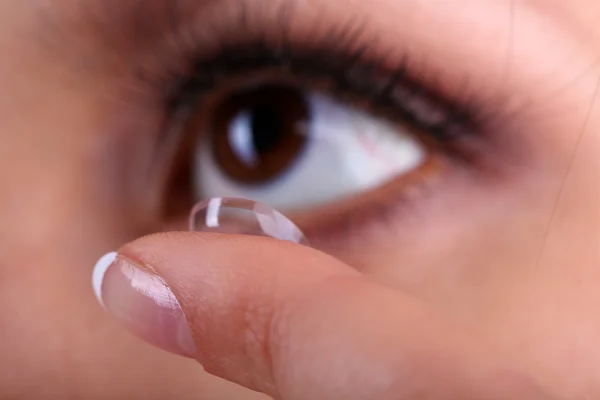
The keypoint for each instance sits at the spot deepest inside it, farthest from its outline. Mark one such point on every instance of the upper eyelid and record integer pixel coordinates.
(132, 28)
(135, 30)
(321, 18)
(131, 34)
(257, 27)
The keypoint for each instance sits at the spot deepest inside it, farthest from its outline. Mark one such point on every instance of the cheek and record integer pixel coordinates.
(60, 214)
(502, 260)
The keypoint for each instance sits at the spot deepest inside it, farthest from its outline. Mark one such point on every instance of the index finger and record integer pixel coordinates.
(297, 324)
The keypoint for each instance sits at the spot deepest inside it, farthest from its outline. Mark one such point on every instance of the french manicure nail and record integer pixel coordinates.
(143, 302)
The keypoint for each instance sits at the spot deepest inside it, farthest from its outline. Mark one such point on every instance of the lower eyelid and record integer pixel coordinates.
(375, 211)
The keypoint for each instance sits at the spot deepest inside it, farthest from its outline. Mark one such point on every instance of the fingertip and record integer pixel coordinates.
(142, 302)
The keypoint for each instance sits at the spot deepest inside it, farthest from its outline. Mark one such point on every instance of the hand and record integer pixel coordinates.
(294, 323)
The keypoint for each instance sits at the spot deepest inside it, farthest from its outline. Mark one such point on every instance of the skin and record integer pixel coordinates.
(509, 256)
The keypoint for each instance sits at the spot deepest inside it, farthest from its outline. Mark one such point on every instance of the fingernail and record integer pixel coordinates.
(143, 302)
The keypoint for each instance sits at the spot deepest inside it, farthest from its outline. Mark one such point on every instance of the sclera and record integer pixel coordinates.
(242, 216)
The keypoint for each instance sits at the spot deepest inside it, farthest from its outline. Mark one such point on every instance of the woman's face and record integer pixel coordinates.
(447, 148)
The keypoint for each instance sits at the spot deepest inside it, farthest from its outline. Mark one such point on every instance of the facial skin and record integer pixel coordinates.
(510, 250)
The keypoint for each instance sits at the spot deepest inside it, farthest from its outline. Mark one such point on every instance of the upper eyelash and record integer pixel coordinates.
(389, 94)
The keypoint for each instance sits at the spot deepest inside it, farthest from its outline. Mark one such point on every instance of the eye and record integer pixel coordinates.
(339, 139)
(294, 148)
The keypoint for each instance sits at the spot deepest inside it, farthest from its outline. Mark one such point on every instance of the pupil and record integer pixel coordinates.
(267, 128)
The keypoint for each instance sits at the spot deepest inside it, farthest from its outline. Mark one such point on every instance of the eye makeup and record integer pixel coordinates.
(203, 58)
(358, 83)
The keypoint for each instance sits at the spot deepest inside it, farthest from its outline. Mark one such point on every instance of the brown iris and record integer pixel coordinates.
(256, 134)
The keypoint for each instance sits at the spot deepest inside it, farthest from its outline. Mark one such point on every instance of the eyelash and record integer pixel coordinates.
(346, 77)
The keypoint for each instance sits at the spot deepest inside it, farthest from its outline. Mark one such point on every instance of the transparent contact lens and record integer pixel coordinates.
(246, 217)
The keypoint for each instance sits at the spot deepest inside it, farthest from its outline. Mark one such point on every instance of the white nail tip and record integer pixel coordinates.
(99, 271)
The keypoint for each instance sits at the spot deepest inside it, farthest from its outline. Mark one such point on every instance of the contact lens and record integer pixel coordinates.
(242, 216)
